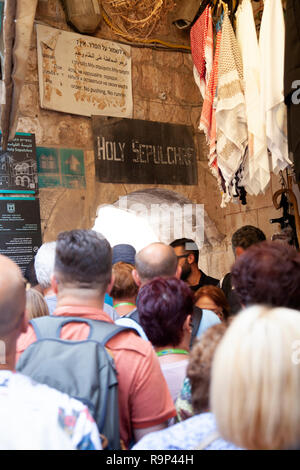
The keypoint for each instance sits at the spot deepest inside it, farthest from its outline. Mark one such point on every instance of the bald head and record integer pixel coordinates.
(156, 260)
(12, 296)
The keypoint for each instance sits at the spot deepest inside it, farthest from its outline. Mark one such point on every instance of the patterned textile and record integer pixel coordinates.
(183, 403)
(274, 112)
(186, 435)
(231, 121)
(202, 49)
(257, 169)
(37, 417)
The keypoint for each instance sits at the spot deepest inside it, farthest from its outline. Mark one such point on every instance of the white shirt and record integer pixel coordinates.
(37, 417)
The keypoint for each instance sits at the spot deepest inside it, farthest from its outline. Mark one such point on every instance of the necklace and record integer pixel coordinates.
(171, 351)
(123, 303)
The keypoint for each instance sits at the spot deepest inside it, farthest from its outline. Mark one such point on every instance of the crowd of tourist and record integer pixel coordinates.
(105, 348)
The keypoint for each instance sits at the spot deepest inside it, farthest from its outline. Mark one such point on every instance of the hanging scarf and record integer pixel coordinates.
(231, 121)
(208, 115)
(257, 170)
(202, 49)
(274, 113)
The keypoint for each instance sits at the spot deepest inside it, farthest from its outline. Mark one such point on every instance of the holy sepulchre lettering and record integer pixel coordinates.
(142, 153)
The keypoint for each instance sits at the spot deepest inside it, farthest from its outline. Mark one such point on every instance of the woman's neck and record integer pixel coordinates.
(172, 354)
(124, 306)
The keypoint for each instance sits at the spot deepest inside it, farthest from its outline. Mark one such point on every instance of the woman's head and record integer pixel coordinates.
(164, 306)
(213, 298)
(199, 368)
(255, 386)
(124, 286)
(268, 273)
(35, 304)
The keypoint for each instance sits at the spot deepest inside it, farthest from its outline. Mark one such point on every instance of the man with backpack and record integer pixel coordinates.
(82, 275)
(33, 416)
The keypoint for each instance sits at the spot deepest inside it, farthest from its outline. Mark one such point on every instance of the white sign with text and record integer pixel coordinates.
(82, 74)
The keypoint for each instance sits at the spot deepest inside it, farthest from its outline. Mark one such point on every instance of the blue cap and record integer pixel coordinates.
(125, 253)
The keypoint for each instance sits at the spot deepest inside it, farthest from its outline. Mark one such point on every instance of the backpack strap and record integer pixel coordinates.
(196, 320)
(100, 331)
(134, 315)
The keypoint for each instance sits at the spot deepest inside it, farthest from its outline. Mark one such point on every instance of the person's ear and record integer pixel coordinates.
(111, 284)
(239, 251)
(178, 272)
(136, 277)
(191, 258)
(54, 284)
(188, 324)
(24, 322)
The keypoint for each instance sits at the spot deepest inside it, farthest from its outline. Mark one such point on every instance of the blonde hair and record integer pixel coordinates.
(255, 388)
(35, 304)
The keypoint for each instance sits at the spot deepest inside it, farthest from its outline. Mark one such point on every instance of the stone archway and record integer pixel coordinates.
(170, 209)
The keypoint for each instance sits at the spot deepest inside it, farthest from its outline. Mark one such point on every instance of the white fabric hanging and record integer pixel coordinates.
(274, 113)
(257, 168)
(231, 122)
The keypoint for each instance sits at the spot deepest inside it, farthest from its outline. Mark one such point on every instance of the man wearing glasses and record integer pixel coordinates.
(187, 254)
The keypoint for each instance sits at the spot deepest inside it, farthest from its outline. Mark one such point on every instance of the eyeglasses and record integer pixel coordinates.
(182, 256)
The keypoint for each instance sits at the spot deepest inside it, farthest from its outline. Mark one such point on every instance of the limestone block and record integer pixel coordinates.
(236, 221)
(50, 9)
(220, 262)
(32, 69)
(186, 91)
(188, 61)
(49, 122)
(67, 214)
(261, 200)
(75, 131)
(140, 109)
(275, 182)
(142, 55)
(168, 59)
(33, 126)
(196, 114)
(164, 112)
(202, 147)
(48, 200)
(29, 100)
(153, 81)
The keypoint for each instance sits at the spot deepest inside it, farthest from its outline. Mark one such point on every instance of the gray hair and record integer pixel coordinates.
(44, 264)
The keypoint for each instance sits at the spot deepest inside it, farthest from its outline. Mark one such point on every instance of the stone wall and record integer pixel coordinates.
(163, 90)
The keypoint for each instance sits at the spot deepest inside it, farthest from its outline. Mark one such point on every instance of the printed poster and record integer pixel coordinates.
(18, 167)
(20, 230)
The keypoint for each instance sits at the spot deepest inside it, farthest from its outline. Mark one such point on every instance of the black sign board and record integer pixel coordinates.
(18, 167)
(20, 230)
(136, 151)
